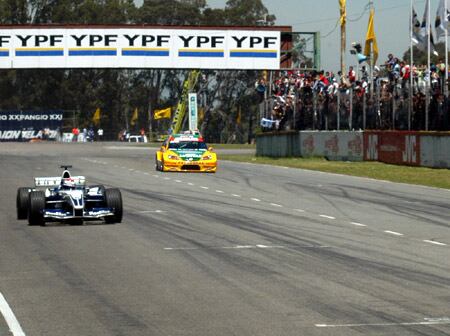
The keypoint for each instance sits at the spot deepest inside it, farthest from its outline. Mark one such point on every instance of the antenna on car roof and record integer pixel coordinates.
(65, 167)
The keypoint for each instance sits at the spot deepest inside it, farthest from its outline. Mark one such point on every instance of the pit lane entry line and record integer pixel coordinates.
(10, 318)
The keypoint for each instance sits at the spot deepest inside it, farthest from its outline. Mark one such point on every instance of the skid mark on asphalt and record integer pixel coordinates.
(355, 224)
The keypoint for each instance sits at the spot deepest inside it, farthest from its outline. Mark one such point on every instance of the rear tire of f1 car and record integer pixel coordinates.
(36, 206)
(113, 199)
(22, 203)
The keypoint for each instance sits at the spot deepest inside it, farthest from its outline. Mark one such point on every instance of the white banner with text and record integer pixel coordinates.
(138, 48)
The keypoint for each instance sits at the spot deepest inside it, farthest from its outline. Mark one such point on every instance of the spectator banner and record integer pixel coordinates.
(139, 48)
(28, 125)
(393, 147)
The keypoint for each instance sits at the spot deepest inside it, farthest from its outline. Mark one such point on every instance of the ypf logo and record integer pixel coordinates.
(410, 152)
(372, 148)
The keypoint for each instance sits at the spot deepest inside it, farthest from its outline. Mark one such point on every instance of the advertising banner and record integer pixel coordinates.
(340, 145)
(139, 48)
(28, 125)
(393, 147)
(193, 112)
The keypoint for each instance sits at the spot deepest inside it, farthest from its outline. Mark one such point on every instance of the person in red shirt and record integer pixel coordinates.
(351, 75)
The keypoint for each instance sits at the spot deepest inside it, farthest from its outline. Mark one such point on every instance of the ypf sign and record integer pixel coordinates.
(136, 47)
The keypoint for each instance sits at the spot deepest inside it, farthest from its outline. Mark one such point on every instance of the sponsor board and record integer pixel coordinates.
(139, 48)
(332, 145)
(29, 125)
(393, 147)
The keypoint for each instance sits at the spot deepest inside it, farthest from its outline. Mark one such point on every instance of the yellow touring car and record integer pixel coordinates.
(185, 153)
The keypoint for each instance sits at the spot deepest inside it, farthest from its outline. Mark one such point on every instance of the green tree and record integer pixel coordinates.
(247, 12)
(14, 12)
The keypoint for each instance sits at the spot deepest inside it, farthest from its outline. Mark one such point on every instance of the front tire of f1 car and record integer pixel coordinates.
(36, 205)
(22, 203)
(113, 199)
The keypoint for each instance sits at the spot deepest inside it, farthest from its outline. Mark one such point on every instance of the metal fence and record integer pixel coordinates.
(390, 108)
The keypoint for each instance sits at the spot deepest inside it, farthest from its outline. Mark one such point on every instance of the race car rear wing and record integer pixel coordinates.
(56, 181)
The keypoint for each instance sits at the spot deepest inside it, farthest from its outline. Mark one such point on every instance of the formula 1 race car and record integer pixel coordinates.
(186, 153)
(68, 199)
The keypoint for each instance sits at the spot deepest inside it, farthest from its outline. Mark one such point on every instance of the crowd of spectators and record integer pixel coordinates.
(327, 101)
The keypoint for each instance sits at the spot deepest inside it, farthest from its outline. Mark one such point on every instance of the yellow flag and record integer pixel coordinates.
(96, 117)
(342, 7)
(371, 39)
(163, 114)
(134, 118)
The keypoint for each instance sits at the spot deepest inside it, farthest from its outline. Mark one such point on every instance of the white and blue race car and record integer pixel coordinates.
(68, 199)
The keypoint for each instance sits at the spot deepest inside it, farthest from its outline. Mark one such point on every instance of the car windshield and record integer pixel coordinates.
(188, 145)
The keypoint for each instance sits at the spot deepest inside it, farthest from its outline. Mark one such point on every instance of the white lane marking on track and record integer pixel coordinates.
(10, 318)
(327, 217)
(357, 224)
(167, 178)
(255, 199)
(237, 247)
(235, 195)
(270, 246)
(299, 210)
(219, 191)
(178, 181)
(146, 174)
(204, 187)
(276, 205)
(191, 184)
(155, 176)
(130, 169)
(435, 242)
(393, 233)
(151, 211)
(431, 322)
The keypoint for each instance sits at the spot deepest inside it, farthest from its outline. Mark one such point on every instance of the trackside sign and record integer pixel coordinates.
(29, 125)
(138, 48)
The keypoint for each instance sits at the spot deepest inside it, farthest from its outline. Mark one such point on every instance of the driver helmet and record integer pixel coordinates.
(68, 183)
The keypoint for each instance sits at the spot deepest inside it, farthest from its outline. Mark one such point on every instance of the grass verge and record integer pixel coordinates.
(439, 178)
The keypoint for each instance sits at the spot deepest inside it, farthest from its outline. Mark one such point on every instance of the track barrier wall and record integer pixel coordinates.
(334, 145)
(427, 149)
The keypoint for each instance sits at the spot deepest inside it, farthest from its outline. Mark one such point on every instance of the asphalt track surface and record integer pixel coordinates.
(250, 250)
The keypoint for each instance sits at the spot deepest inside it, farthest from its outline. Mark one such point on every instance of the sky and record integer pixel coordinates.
(391, 24)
